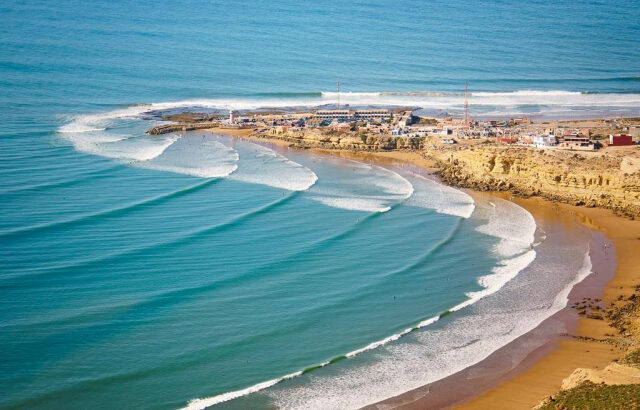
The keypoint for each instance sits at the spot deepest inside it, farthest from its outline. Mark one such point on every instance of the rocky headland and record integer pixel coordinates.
(609, 178)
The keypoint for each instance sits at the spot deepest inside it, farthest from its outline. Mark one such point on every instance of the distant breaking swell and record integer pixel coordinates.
(423, 99)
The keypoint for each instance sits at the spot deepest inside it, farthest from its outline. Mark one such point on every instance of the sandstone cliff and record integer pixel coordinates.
(315, 138)
(607, 179)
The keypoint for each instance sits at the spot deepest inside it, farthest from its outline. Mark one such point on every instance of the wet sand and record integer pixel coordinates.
(545, 376)
(520, 374)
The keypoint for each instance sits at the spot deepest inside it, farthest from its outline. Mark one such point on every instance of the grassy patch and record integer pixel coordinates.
(632, 359)
(589, 395)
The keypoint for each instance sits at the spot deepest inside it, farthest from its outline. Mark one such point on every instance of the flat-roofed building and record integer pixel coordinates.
(618, 140)
(545, 141)
(353, 114)
(372, 114)
(334, 114)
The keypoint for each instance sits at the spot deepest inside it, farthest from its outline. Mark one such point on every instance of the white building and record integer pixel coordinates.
(545, 141)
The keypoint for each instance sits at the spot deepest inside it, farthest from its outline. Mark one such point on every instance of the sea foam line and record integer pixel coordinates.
(261, 165)
(563, 98)
(199, 404)
(395, 189)
(492, 283)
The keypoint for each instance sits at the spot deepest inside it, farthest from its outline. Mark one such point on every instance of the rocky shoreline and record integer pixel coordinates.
(609, 178)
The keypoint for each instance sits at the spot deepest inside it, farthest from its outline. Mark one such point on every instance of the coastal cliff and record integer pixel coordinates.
(607, 179)
(315, 138)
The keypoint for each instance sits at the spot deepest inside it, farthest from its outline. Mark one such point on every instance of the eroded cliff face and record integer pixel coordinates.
(316, 138)
(608, 179)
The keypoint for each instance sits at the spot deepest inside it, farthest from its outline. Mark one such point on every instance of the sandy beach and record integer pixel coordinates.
(544, 377)
(509, 379)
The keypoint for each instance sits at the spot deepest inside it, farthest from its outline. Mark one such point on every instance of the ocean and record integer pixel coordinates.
(193, 270)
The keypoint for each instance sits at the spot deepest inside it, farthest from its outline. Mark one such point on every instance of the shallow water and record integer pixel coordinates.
(145, 272)
(154, 277)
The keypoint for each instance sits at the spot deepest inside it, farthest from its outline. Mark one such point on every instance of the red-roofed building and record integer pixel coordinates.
(507, 140)
(618, 140)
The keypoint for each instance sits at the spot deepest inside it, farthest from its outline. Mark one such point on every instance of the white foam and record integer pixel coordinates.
(76, 127)
(452, 347)
(528, 93)
(392, 338)
(124, 148)
(516, 229)
(432, 356)
(354, 204)
(513, 225)
(199, 404)
(563, 297)
(357, 186)
(261, 165)
(503, 273)
(443, 199)
(196, 155)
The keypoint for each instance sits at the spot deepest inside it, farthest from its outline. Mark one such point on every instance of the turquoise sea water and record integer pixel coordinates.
(140, 272)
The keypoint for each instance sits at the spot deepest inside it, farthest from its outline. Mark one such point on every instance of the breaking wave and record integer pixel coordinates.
(359, 186)
(315, 397)
(261, 165)
(198, 156)
(507, 101)
(444, 199)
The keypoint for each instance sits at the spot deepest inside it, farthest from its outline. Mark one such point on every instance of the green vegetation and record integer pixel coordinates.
(632, 359)
(589, 395)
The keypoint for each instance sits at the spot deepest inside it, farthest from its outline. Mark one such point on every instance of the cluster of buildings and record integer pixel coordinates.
(375, 121)
(380, 121)
(575, 140)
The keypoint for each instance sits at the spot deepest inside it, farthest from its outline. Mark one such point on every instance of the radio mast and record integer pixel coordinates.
(466, 106)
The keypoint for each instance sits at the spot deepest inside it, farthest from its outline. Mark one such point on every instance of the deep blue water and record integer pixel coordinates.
(144, 272)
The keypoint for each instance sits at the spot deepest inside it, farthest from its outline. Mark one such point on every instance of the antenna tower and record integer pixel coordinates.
(466, 106)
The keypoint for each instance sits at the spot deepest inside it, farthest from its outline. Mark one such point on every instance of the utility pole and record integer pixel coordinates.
(466, 106)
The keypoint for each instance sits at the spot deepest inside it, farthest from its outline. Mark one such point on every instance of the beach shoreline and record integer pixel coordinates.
(540, 372)
(511, 377)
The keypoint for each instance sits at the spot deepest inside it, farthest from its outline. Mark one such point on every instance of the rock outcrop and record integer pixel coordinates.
(606, 179)
(316, 138)
(609, 178)
(614, 373)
